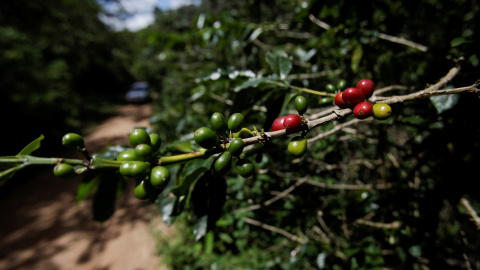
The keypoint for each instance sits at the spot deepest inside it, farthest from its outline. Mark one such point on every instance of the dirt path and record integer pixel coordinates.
(42, 227)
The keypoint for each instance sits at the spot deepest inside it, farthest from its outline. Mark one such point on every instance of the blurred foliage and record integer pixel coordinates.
(222, 56)
(57, 60)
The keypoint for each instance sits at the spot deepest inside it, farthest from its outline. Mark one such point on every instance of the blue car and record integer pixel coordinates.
(138, 92)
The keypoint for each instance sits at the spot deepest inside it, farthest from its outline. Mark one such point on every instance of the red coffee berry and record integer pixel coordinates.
(366, 86)
(353, 96)
(339, 101)
(363, 110)
(293, 123)
(278, 123)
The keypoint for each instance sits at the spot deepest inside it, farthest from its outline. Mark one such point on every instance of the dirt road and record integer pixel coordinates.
(42, 227)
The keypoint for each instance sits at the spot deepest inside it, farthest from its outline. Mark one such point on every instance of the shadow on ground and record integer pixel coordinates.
(42, 226)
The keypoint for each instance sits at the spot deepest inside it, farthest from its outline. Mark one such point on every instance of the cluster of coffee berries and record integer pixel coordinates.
(356, 98)
(229, 133)
(294, 123)
(73, 141)
(137, 164)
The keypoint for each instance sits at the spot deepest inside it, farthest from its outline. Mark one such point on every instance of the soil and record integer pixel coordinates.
(42, 227)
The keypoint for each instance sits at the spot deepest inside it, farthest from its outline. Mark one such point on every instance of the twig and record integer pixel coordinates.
(276, 230)
(433, 90)
(274, 199)
(383, 36)
(403, 42)
(396, 164)
(323, 236)
(331, 235)
(348, 186)
(333, 130)
(328, 167)
(312, 75)
(471, 212)
(395, 225)
(390, 88)
(292, 34)
(318, 22)
(337, 186)
(465, 255)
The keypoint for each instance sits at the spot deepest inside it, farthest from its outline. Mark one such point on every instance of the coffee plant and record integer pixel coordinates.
(220, 148)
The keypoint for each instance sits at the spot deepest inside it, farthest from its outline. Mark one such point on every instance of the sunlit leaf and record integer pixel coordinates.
(200, 227)
(166, 206)
(444, 102)
(255, 34)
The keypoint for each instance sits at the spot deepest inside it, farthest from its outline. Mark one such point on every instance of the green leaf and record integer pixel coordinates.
(7, 174)
(280, 63)
(474, 60)
(286, 101)
(209, 242)
(356, 58)
(85, 188)
(185, 147)
(103, 205)
(192, 171)
(445, 102)
(251, 82)
(31, 146)
(457, 42)
(415, 251)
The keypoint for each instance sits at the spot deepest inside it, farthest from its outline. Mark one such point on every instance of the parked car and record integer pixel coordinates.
(138, 92)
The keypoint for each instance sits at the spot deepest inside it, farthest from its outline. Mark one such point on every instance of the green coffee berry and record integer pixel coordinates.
(63, 170)
(381, 111)
(301, 104)
(139, 169)
(206, 138)
(135, 169)
(297, 146)
(155, 141)
(218, 122)
(139, 136)
(159, 176)
(143, 190)
(73, 140)
(236, 146)
(223, 163)
(235, 122)
(143, 152)
(330, 88)
(341, 84)
(127, 155)
(245, 167)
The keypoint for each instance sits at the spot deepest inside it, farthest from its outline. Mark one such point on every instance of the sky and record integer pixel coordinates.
(140, 12)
